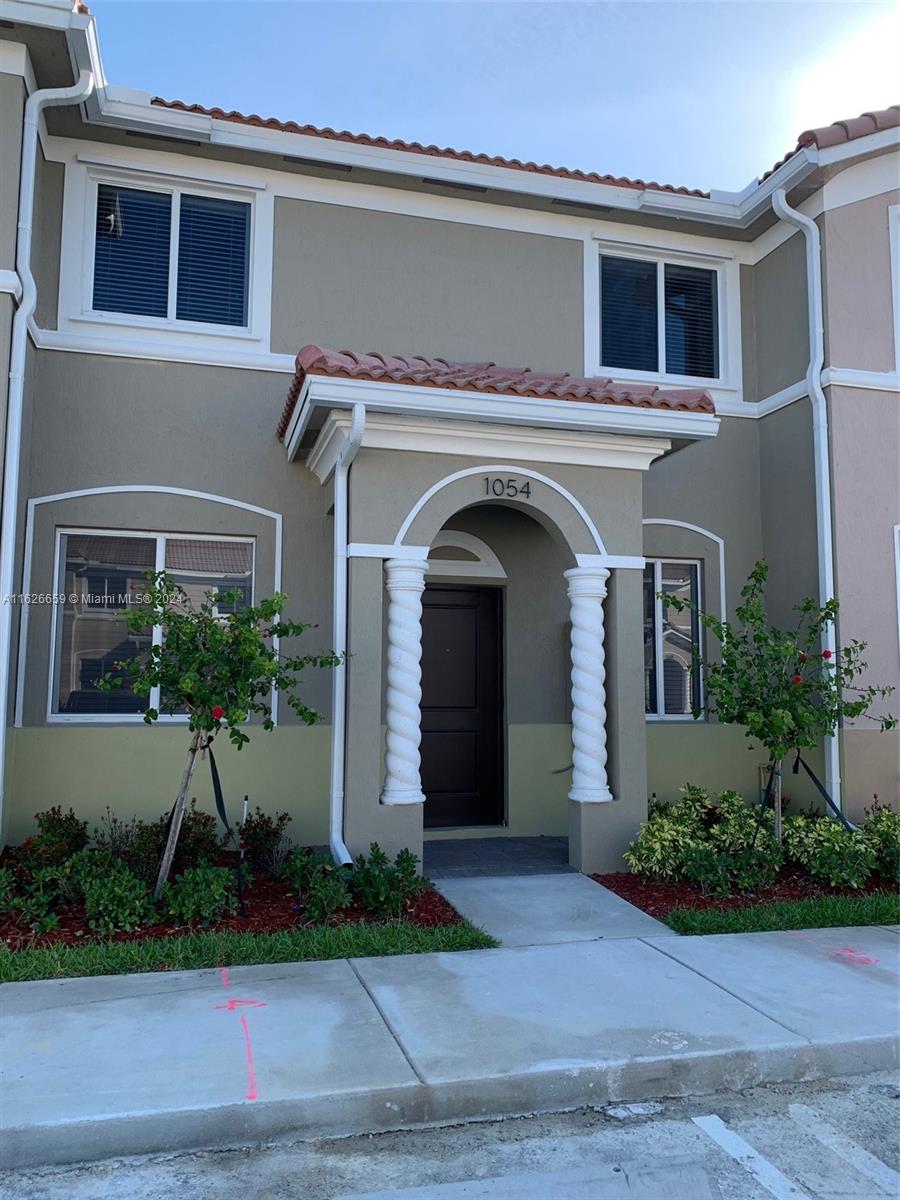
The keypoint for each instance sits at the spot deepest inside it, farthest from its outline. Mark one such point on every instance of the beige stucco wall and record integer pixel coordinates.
(865, 428)
(408, 285)
(857, 282)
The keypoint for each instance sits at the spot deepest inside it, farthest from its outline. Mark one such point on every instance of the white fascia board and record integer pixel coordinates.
(46, 14)
(477, 439)
(450, 404)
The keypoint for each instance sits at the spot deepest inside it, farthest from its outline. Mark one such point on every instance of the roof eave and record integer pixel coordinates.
(333, 392)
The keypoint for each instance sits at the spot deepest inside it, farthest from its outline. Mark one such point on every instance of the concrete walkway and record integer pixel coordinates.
(131, 1064)
(540, 910)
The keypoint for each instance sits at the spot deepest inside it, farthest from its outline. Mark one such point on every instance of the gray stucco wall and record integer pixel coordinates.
(779, 317)
(107, 421)
(12, 103)
(408, 285)
(48, 201)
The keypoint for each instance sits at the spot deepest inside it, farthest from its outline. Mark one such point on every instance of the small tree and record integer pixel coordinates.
(219, 669)
(785, 690)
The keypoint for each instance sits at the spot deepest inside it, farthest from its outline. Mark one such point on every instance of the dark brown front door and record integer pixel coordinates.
(461, 706)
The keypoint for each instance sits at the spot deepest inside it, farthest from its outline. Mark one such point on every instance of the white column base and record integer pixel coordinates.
(582, 795)
(400, 796)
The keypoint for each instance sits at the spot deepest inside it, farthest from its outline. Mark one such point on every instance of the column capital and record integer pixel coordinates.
(587, 581)
(405, 575)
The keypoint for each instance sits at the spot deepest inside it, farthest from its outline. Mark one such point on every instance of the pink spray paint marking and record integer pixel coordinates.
(232, 1005)
(252, 1093)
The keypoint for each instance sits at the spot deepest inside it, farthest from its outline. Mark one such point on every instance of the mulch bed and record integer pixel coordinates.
(658, 899)
(271, 907)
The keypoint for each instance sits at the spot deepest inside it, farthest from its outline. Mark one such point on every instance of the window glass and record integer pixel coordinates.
(213, 258)
(131, 251)
(629, 332)
(101, 577)
(691, 322)
(202, 565)
(680, 641)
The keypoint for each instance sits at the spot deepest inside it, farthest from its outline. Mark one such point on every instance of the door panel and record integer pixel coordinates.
(462, 773)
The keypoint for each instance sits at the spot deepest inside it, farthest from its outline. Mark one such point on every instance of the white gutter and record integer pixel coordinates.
(34, 106)
(339, 849)
(824, 538)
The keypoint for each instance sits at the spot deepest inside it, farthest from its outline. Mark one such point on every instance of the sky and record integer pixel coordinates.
(695, 93)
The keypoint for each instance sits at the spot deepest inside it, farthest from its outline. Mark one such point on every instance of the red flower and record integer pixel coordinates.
(796, 679)
(826, 654)
(218, 712)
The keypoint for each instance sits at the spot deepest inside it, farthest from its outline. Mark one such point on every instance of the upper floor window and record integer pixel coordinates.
(174, 254)
(659, 317)
(672, 685)
(100, 575)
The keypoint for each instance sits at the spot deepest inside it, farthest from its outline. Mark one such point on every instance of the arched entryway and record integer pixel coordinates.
(456, 727)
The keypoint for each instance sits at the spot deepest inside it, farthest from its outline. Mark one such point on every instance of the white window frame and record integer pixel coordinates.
(658, 646)
(76, 312)
(728, 333)
(58, 718)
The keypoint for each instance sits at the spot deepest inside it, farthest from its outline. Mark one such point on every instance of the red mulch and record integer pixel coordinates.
(271, 907)
(658, 899)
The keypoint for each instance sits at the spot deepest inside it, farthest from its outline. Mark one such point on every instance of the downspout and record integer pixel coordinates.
(34, 106)
(825, 545)
(339, 850)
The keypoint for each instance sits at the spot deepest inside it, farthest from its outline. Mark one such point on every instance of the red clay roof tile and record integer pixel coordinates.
(839, 132)
(485, 377)
(365, 139)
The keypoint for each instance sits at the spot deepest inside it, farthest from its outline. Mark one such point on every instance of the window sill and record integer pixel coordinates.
(619, 375)
(653, 719)
(132, 323)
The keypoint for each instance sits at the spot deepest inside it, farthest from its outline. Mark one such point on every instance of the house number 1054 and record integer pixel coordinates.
(506, 487)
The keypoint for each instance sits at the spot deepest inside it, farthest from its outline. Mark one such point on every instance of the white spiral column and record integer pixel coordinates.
(587, 590)
(405, 582)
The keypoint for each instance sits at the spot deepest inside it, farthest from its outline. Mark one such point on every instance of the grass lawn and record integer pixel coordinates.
(190, 951)
(818, 912)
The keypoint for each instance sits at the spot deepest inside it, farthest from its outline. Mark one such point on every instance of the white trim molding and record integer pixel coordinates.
(707, 533)
(502, 469)
(477, 439)
(897, 577)
(484, 563)
(867, 381)
(117, 489)
(10, 283)
(894, 237)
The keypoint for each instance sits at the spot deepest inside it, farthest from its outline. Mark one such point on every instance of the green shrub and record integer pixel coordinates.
(384, 888)
(326, 893)
(707, 868)
(264, 839)
(301, 866)
(83, 868)
(38, 899)
(746, 868)
(882, 831)
(205, 894)
(198, 841)
(146, 848)
(828, 851)
(59, 836)
(116, 836)
(7, 889)
(660, 848)
(116, 900)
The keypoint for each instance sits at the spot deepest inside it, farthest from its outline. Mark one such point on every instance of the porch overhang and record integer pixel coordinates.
(435, 390)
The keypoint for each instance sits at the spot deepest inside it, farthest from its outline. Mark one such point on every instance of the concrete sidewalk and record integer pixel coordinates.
(132, 1064)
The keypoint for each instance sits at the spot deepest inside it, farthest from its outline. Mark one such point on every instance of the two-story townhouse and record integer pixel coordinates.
(473, 415)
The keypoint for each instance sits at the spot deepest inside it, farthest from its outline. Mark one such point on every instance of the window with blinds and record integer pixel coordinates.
(134, 255)
(633, 294)
(672, 682)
